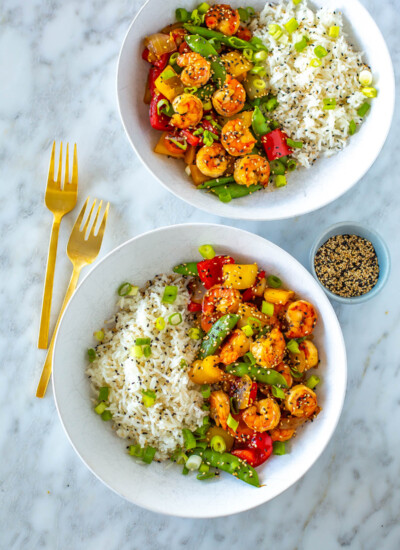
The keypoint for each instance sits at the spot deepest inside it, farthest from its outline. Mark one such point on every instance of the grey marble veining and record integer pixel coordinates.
(57, 75)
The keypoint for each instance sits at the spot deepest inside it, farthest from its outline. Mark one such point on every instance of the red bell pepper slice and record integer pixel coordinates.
(158, 121)
(275, 145)
(244, 34)
(253, 457)
(193, 307)
(210, 271)
(253, 393)
(248, 295)
(154, 73)
(159, 62)
(190, 138)
(256, 451)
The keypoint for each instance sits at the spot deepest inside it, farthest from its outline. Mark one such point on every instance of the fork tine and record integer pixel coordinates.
(66, 173)
(92, 230)
(74, 180)
(59, 168)
(102, 227)
(50, 177)
(79, 219)
(86, 225)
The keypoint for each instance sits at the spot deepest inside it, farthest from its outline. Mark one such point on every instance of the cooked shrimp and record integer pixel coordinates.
(236, 345)
(252, 170)
(301, 401)
(263, 415)
(197, 70)
(223, 18)
(220, 408)
(218, 301)
(285, 372)
(301, 318)
(188, 111)
(212, 160)
(310, 353)
(270, 349)
(279, 434)
(230, 98)
(237, 138)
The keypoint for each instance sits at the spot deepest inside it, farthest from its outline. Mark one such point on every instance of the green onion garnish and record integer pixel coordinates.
(295, 373)
(99, 335)
(315, 62)
(106, 415)
(182, 15)
(103, 393)
(124, 289)
(207, 251)
(142, 341)
(294, 144)
(160, 323)
(329, 103)
(183, 363)
(194, 333)
(172, 60)
(205, 391)
(149, 398)
(218, 444)
(193, 462)
(275, 31)
(207, 106)
(257, 69)
(135, 450)
(244, 16)
(204, 468)
(260, 56)
(271, 104)
(369, 91)
(133, 291)
(352, 127)
(277, 167)
(320, 52)
(249, 358)
(253, 322)
(162, 103)
(203, 8)
(136, 351)
(363, 110)
(277, 392)
(259, 84)
(100, 408)
(205, 407)
(302, 44)
(248, 330)
(291, 25)
(234, 405)
(313, 381)
(175, 319)
(279, 448)
(293, 346)
(147, 351)
(334, 31)
(91, 354)
(148, 454)
(274, 281)
(280, 181)
(267, 308)
(365, 78)
(206, 475)
(296, 2)
(170, 294)
(232, 423)
(181, 144)
(189, 439)
(225, 196)
(291, 165)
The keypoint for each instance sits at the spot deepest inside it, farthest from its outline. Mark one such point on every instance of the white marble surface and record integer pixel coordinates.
(57, 74)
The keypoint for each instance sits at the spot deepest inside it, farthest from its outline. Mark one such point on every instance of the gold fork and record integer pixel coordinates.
(81, 251)
(59, 202)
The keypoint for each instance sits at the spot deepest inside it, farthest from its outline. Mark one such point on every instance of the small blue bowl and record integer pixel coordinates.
(382, 252)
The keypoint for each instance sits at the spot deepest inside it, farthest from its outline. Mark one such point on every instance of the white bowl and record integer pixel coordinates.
(155, 487)
(307, 190)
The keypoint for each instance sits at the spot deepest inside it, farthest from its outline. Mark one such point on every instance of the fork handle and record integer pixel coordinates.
(46, 371)
(48, 285)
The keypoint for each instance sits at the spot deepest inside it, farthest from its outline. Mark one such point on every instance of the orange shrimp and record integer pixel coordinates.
(188, 111)
(301, 318)
(197, 70)
(223, 18)
(280, 434)
(220, 408)
(263, 415)
(218, 301)
(252, 170)
(237, 138)
(236, 345)
(301, 401)
(230, 98)
(270, 349)
(212, 160)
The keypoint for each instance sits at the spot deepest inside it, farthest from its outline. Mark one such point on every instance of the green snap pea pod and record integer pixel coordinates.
(217, 334)
(189, 268)
(230, 464)
(261, 374)
(205, 92)
(235, 190)
(200, 45)
(218, 72)
(232, 41)
(258, 122)
(216, 182)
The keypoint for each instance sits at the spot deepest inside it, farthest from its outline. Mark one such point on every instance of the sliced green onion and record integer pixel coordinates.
(136, 351)
(277, 392)
(267, 308)
(147, 351)
(182, 15)
(204, 468)
(205, 391)
(291, 25)
(162, 103)
(170, 294)
(260, 56)
(259, 84)
(136, 450)
(334, 31)
(315, 62)
(203, 8)
(106, 415)
(193, 462)
(274, 281)
(160, 323)
(279, 448)
(244, 16)
(188, 439)
(271, 104)
(206, 421)
(302, 44)
(190, 89)
(225, 196)
(218, 444)
(207, 251)
(181, 144)
(103, 393)
(249, 358)
(232, 423)
(253, 322)
(196, 17)
(194, 333)
(280, 181)
(369, 91)
(100, 408)
(168, 73)
(275, 31)
(294, 144)
(329, 103)
(248, 330)
(320, 52)
(295, 373)
(296, 2)
(277, 167)
(175, 319)
(142, 341)
(257, 69)
(363, 110)
(99, 335)
(124, 289)
(291, 165)
(185, 471)
(91, 354)
(179, 457)
(172, 60)
(234, 405)
(183, 363)
(293, 346)
(198, 132)
(352, 127)
(365, 78)
(133, 291)
(313, 381)
(149, 398)
(205, 407)
(249, 54)
(206, 475)
(207, 106)
(148, 454)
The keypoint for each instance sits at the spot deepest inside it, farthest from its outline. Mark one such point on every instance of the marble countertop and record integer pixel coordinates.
(57, 74)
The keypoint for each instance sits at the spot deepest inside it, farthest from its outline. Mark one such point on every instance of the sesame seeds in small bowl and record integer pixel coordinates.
(351, 262)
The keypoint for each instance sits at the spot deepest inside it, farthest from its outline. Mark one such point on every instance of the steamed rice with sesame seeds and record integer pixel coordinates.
(178, 402)
(300, 88)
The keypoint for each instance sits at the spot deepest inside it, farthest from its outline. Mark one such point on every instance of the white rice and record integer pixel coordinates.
(178, 402)
(300, 88)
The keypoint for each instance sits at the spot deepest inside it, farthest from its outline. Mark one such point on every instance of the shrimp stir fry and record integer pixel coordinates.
(212, 160)
(252, 170)
(197, 70)
(230, 98)
(188, 111)
(254, 357)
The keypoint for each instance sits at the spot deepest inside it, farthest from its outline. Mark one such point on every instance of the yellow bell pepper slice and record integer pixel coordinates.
(239, 276)
(278, 295)
(206, 371)
(169, 84)
(236, 64)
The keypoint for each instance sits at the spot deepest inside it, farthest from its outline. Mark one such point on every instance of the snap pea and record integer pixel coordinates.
(205, 92)
(216, 182)
(189, 268)
(261, 374)
(230, 464)
(232, 41)
(217, 334)
(218, 72)
(235, 190)
(200, 45)
(258, 122)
